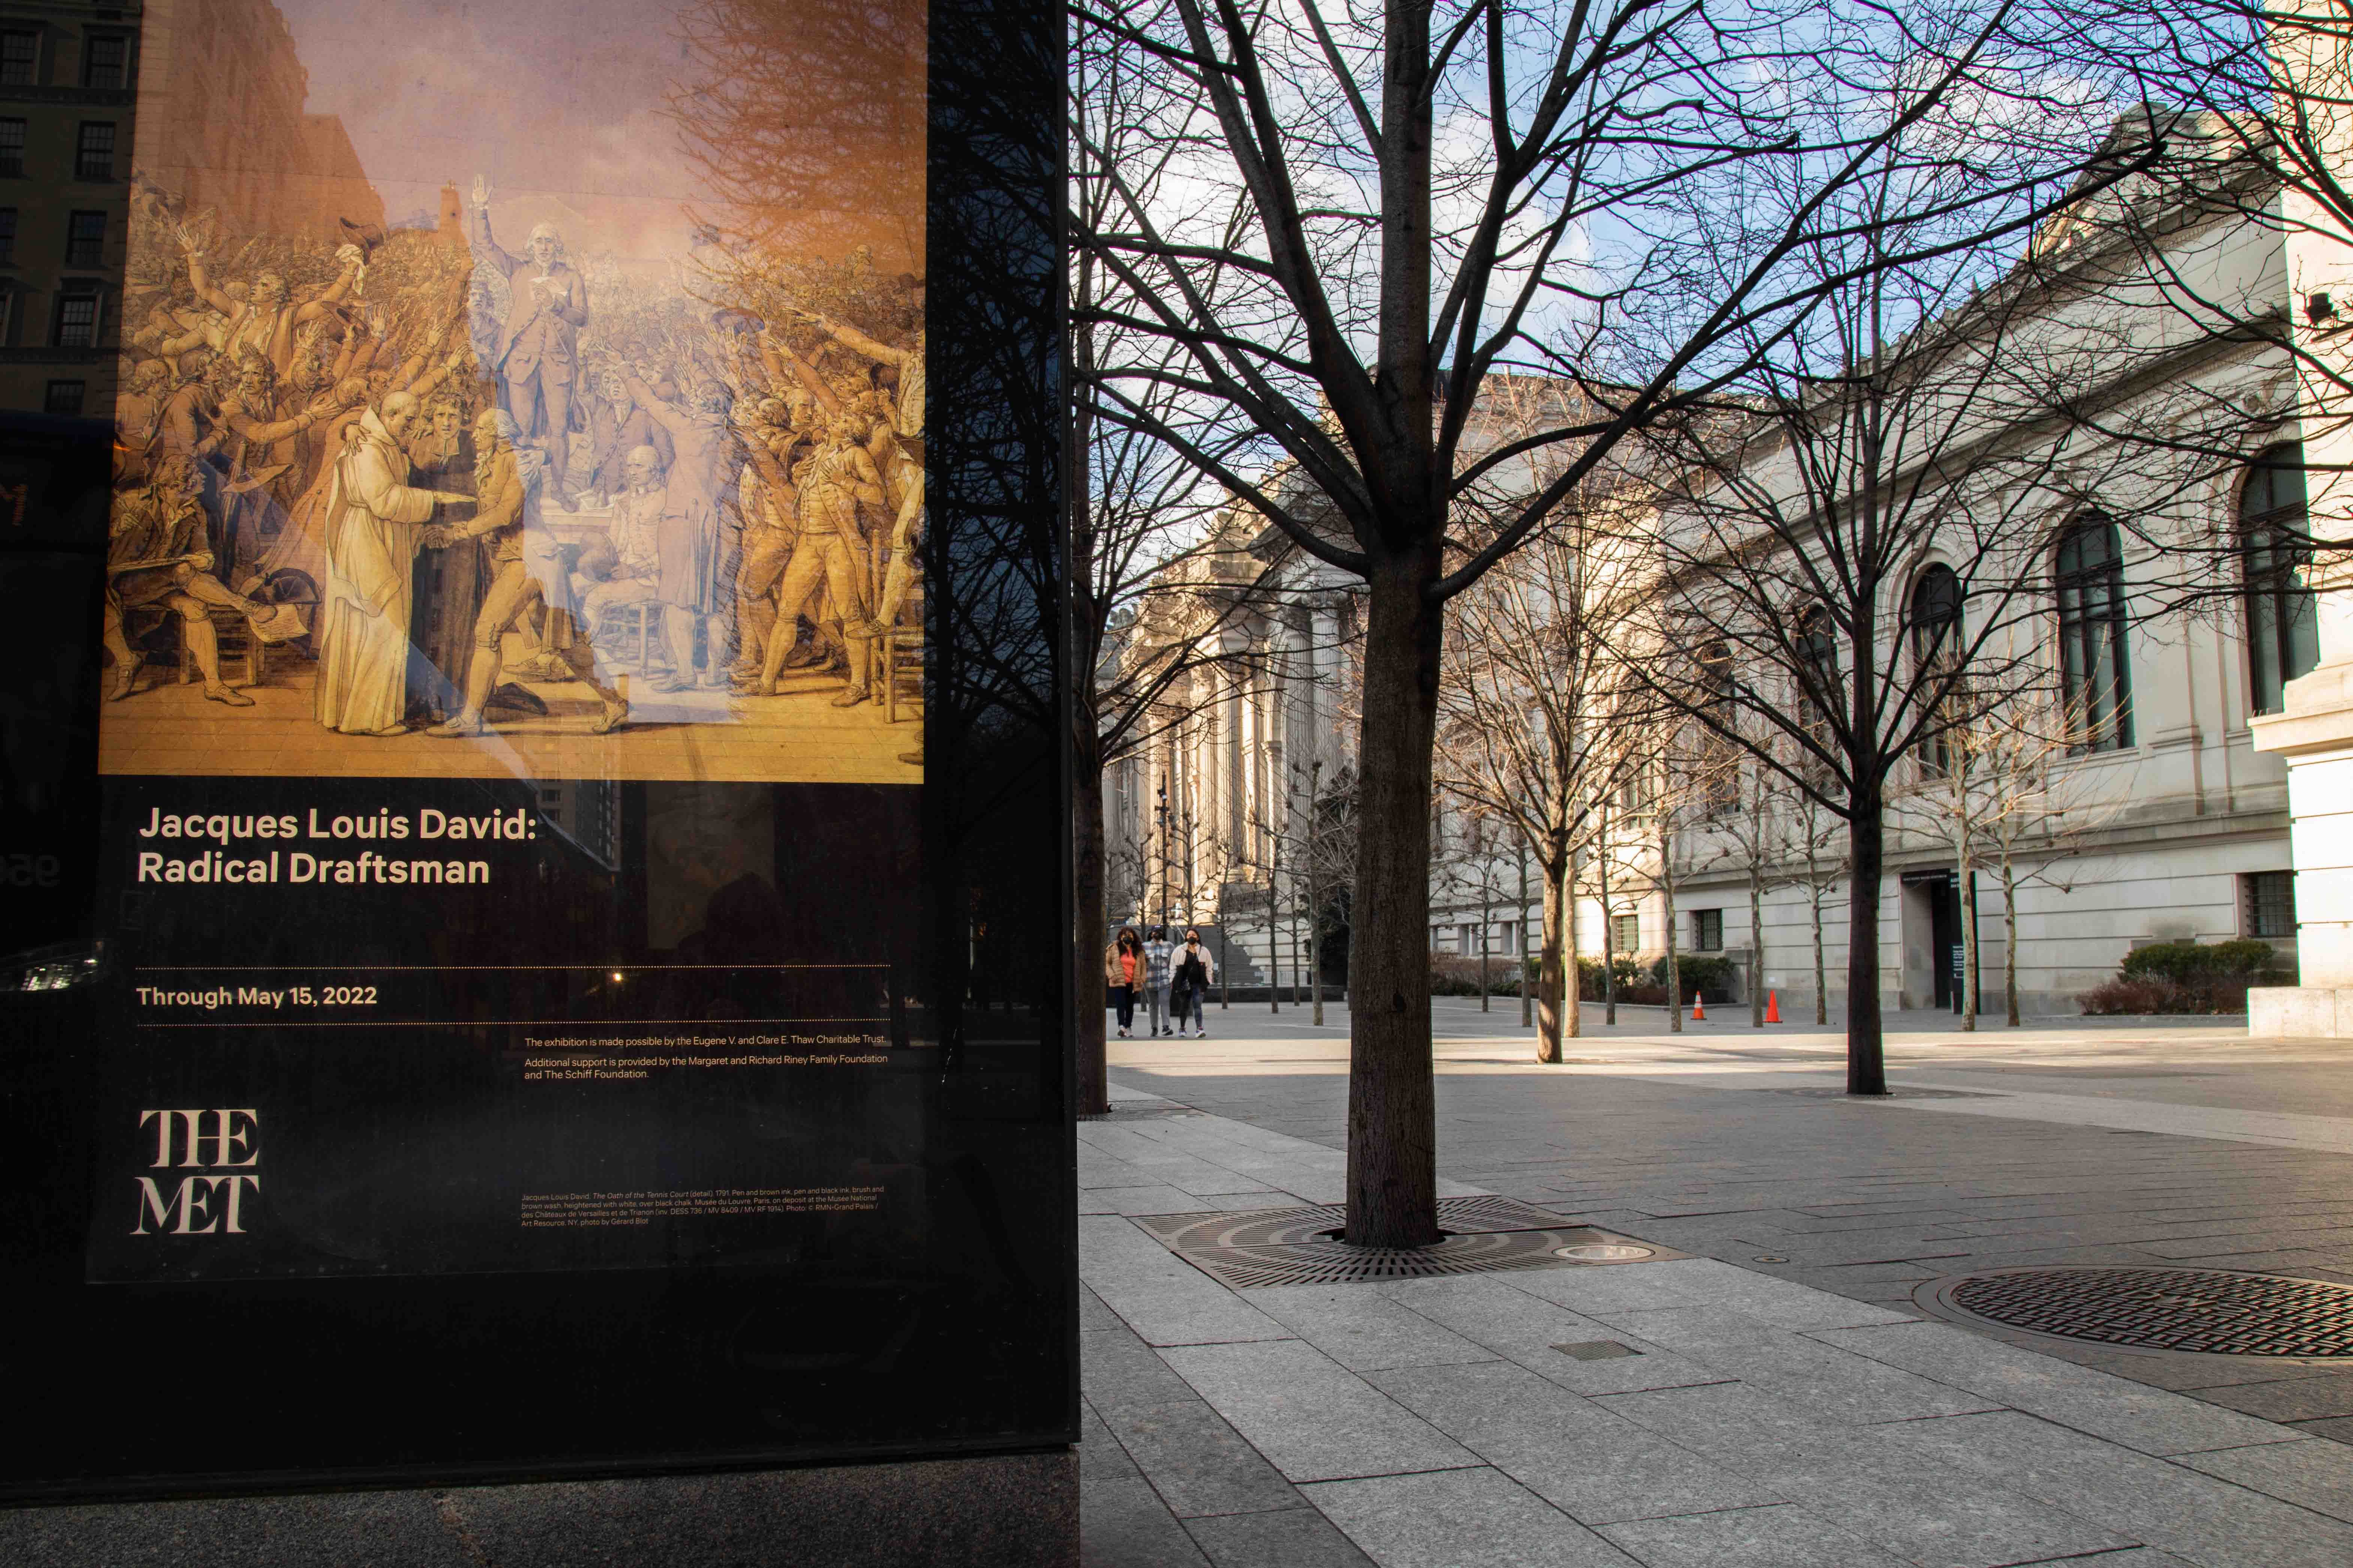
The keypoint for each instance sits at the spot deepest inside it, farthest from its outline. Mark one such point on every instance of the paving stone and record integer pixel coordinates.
(1165, 1301)
(2339, 1428)
(2312, 1474)
(1123, 1524)
(1363, 1328)
(1455, 1518)
(1158, 1198)
(1311, 1417)
(1093, 1314)
(1778, 1537)
(1100, 1458)
(1115, 1368)
(2301, 1399)
(1594, 1466)
(1197, 1462)
(1855, 1477)
(1290, 1538)
(2160, 1503)
(1512, 1322)
(2148, 1419)
(1711, 1283)
(1837, 1384)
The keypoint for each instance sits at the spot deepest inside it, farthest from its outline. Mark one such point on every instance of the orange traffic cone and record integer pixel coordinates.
(1772, 1007)
(1699, 1008)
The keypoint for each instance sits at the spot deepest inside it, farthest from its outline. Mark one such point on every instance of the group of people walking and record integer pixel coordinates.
(1171, 982)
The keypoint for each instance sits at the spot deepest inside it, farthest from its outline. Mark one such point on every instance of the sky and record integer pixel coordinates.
(558, 103)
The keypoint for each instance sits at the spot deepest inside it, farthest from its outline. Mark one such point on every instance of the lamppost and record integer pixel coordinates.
(1163, 813)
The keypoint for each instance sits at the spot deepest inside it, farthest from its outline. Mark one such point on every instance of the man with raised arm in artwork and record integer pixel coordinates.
(534, 354)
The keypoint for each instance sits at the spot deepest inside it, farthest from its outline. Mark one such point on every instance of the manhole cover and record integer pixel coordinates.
(2195, 1310)
(1891, 1094)
(1302, 1246)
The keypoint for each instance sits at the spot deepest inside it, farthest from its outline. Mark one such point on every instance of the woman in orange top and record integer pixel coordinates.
(1123, 972)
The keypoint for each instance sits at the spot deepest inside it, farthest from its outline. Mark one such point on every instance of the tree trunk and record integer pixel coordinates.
(1392, 1093)
(1551, 1012)
(1568, 995)
(1866, 1060)
(1756, 938)
(1822, 969)
(2010, 939)
(1093, 1073)
(1486, 924)
(1521, 944)
(1967, 874)
(1609, 934)
(1273, 927)
(1667, 920)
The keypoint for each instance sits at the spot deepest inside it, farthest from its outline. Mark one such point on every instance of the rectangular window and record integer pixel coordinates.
(86, 240)
(7, 235)
(12, 146)
(20, 57)
(1707, 931)
(106, 60)
(2095, 670)
(2267, 899)
(1625, 933)
(76, 320)
(64, 397)
(94, 151)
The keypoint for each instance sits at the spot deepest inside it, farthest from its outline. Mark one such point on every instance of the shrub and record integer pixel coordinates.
(2186, 977)
(1456, 974)
(1645, 984)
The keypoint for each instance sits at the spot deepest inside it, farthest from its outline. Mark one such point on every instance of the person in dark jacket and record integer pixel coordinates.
(1189, 985)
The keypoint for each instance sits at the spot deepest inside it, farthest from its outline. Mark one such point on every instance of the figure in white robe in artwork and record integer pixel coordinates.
(375, 524)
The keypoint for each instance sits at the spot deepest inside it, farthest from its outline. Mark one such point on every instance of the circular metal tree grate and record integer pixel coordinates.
(1337, 1263)
(2198, 1310)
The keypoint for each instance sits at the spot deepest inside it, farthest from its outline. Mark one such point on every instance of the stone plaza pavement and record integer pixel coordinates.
(1789, 1407)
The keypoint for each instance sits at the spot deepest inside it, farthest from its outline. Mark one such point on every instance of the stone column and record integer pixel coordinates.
(2314, 730)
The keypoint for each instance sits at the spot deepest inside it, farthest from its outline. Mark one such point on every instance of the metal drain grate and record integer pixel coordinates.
(1259, 1247)
(1305, 1227)
(2195, 1310)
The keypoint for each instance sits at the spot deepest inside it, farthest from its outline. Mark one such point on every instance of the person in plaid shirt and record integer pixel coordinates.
(1156, 956)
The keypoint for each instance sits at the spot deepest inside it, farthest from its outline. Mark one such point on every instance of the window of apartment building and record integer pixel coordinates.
(106, 60)
(7, 235)
(77, 325)
(1934, 622)
(2267, 903)
(20, 57)
(1718, 762)
(12, 146)
(2282, 620)
(86, 240)
(1707, 931)
(2095, 667)
(1466, 938)
(64, 397)
(1625, 933)
(94, 151)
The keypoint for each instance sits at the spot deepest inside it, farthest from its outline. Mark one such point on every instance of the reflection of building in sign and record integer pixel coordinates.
(588, 813)
(224, 124)
(65, 132)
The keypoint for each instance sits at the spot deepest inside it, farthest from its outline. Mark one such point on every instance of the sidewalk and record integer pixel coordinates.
(1763, 1423)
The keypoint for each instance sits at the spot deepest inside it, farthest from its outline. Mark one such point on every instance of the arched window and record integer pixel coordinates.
(2283, 623)
(1934, 621)
(2095, 667)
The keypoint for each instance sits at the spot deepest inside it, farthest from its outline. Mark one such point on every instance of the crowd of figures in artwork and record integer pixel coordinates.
(447, 474)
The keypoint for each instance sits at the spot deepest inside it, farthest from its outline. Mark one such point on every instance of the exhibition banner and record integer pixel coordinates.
(579, 873)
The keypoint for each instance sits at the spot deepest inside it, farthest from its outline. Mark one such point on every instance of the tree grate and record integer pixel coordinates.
(2193, 1311)
(1256, 1247)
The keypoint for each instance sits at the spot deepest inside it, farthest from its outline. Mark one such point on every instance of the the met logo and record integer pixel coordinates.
(219, 1148)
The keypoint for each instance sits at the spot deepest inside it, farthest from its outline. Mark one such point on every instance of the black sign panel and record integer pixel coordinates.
(581, 982)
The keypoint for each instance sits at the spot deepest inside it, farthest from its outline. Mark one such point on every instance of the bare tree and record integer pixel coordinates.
(1383, 207)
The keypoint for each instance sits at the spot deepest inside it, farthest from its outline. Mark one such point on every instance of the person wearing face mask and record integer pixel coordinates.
(1156, 956)
(1189, 983)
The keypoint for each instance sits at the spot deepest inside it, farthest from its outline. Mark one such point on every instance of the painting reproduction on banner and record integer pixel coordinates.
(514, 400)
